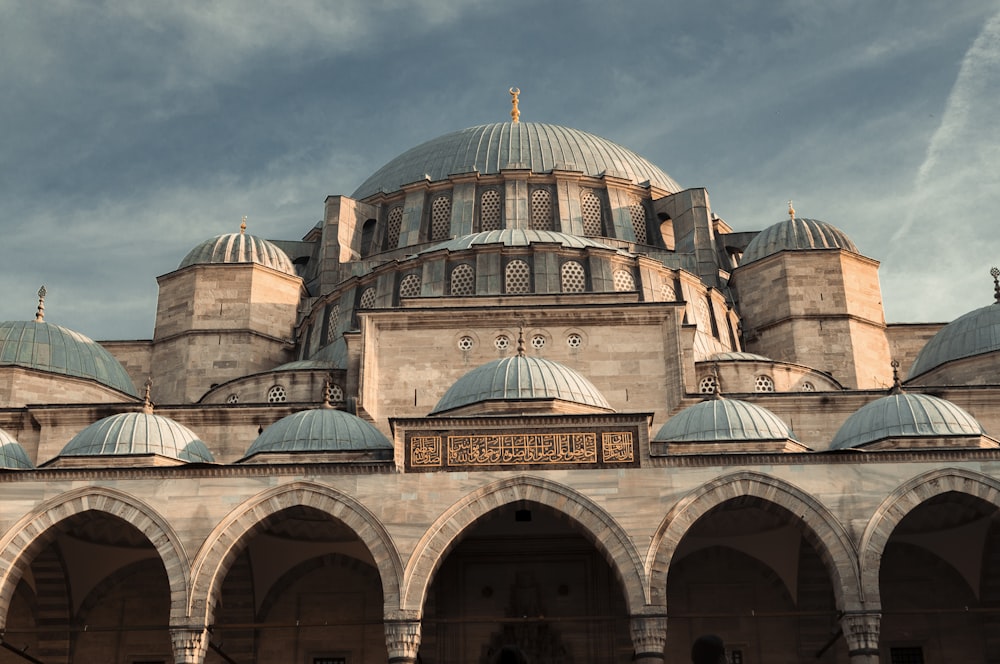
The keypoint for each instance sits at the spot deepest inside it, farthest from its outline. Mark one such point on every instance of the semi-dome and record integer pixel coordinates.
(537, 147)
(723, 420)
(905, 416)
(796, 235)
(130, 434)
(974, 333)
(47, 347)
(521, 378)
(12, 455)
(239, 248)
(515, 237)
(320, 430)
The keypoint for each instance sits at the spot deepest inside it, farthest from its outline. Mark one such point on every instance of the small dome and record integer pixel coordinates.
(723, 419)
(320, 430)
(48, 347)
(128, 434)
(974, 333)
(239, 248)
(905, 416)
(521, 378)
(511, 237)
(796, 235)
(12, 455)
(732, 356)
(489, 148)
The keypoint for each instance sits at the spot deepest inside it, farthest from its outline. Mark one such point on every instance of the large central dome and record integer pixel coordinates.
(531, 145)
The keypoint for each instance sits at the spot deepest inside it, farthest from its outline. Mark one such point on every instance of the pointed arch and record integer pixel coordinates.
(598, 526)
(26, 537)
(821, 527)
(230, 536)
(904, 500)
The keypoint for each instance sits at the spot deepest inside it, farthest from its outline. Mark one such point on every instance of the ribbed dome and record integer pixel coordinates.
(724, 419)
(128, 434)
(530, 145)
(49, 347)
(320, 430)
(903, 416)
(738, 355)
(239, 248)
(974, 333)
(796, 234)
(517, 238)
(520, 378)
(12, 455)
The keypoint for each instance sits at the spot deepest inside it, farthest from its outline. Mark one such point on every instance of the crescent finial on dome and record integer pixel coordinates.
(40, 311)
(995, 273)
(515, 113)
(791, 210)
(147, 403)
(897, 387)
(243, 225)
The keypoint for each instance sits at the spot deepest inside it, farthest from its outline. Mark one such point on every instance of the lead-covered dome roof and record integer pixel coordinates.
(724, 420)
(975, 333)
(320, 430)
(131, 434)
(12, 455)
(521, 378)
(905, 416)
(535, 146)
(239, 248)
(48, 347)
(516, 237)
(796, 235)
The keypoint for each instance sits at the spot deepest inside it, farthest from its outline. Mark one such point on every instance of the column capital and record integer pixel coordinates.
(861, 631)
(190, 644)
(402, 639)
(649, 637)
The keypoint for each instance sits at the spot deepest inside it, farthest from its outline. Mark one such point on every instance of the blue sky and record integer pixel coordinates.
(134, 130)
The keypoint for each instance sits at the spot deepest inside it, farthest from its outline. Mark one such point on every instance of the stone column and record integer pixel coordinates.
(402, 638)
(861, 630)
(190, 644)
(649, 636)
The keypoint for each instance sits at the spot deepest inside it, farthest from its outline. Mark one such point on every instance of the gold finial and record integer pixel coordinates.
(791, 210)
(243, 225)
(515, 114)
(327, 386)
(40, 312)
(897, 387)
(147, 403)
(995, 273)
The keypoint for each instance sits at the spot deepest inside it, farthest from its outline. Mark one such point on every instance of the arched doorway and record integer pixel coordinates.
(525, 577)
(940, 583)
(747, 571)
(303, 588)
(94, 588)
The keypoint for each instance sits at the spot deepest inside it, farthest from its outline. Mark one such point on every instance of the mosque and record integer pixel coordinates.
(520, 394)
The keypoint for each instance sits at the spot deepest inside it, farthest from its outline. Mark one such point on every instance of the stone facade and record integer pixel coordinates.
(578, 304)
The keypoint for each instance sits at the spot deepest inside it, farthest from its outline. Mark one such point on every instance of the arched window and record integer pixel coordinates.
(441, 218)
(367, 299)
(276, 394)
(409, 286)
(623, 281)
(367, 236)
(332, 322)
(638, 214)
(489, 211)
(541, 210)
(573, 278)
(763, 384)
(667, 292)
(590, 207)
(463, 280)
(518, 277)
(392, 227)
